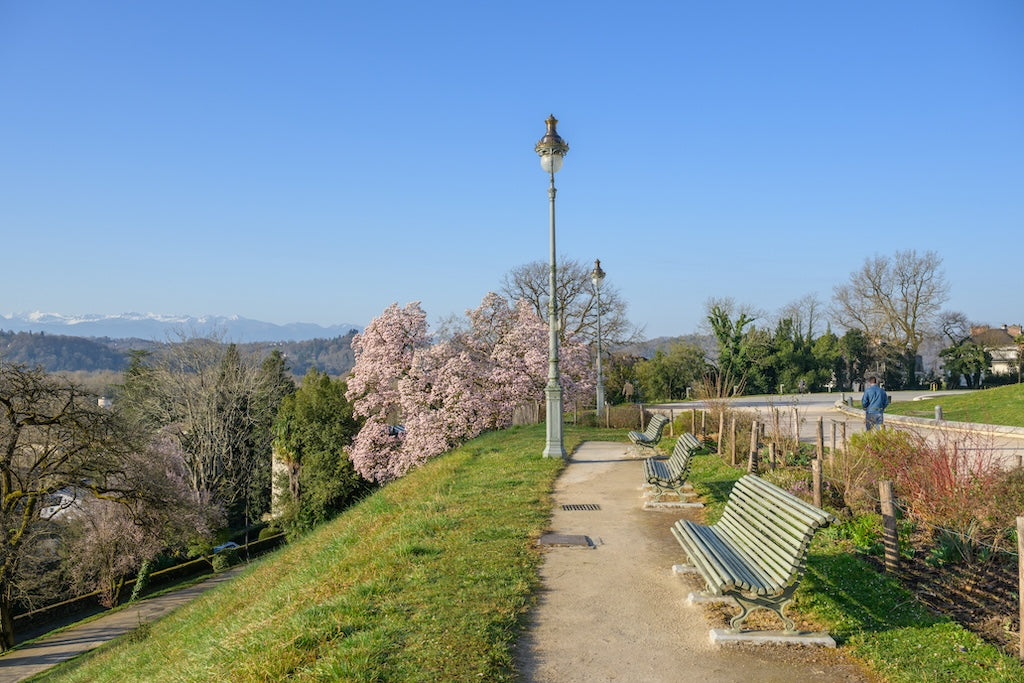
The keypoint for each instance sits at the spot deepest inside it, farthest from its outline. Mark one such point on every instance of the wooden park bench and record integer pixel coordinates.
(671, 474)
(757, 552)
(650, 437)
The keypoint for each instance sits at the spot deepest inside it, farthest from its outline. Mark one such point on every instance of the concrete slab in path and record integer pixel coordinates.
(617, 612)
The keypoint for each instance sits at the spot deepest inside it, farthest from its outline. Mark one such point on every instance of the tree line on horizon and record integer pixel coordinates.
(68, 353)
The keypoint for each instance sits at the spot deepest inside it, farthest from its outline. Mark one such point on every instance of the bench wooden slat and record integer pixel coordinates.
(768, 531)
(650, 437)
(671, 474)
(714, 557)
(757, 551)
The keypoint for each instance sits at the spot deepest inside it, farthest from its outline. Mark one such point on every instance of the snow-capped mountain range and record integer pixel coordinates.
(159, 327)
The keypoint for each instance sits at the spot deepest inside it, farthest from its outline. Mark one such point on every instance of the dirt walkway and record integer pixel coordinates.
(73, 641)
(616, 612)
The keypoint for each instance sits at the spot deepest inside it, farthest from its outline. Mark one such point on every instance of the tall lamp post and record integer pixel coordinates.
(552, 149)
(597, 277)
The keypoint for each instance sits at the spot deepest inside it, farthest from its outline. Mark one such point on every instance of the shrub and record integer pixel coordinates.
(626, 416)
(224, 560)
(796, 481)
(743, 423)
(865, 532)
(954, 486)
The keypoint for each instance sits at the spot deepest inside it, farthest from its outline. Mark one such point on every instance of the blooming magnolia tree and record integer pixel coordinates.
(451, 391)
(384, 354)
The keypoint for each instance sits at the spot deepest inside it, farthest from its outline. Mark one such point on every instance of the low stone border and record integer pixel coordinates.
(931, 423)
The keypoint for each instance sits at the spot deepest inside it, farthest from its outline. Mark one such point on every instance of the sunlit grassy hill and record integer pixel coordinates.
(997, 406)
(426, 580)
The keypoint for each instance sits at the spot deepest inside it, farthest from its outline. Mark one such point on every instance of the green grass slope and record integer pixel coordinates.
(996, 406)
(426, 580)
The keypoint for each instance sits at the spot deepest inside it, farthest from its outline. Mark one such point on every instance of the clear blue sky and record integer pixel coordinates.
(317, 161)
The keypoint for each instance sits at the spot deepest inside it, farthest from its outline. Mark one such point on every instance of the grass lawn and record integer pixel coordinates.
(430, 579)
(996, 406)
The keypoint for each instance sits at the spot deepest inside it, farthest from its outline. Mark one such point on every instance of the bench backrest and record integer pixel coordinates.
(690, 441)
(679, 462)
(772, 527)
(655, 426)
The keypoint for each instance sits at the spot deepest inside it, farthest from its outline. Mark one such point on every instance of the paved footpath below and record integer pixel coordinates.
(73, 641)
(616, 612)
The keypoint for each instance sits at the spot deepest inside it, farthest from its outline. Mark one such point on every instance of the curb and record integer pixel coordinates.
(931, 423)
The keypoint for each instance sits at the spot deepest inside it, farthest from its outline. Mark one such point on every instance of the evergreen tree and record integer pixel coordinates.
(312, 429)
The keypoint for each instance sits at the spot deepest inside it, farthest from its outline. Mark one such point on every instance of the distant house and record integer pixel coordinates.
(999, 341)
(61, 504)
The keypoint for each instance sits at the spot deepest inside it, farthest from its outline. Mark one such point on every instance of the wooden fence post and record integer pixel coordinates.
(732, 441)
(721, 431)
(842, 431)
(832, 453)
(773, 448)
(641, 417)
(816, 480)
(820, 453)
(671, 422)
(1020, 579)
(796, 429)
(890, 540)
(752, 460)
(693, 421)
(703, 425)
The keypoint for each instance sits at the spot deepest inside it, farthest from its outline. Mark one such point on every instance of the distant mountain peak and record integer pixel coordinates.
(159, 327)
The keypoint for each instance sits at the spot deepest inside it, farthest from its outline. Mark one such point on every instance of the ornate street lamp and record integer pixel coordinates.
(597, 277)
(552, 149)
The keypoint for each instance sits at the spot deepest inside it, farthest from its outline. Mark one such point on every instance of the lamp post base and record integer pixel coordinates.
(554, 447)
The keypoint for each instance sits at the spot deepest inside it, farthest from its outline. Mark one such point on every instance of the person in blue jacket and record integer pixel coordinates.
(873, 402)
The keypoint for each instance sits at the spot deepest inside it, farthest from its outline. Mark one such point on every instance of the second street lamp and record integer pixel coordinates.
(552, 149)
(597, 277)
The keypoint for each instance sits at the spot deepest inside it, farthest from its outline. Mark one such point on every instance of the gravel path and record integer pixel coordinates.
(616, 612)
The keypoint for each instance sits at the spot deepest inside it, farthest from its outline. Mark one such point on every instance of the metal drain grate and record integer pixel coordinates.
(567, 540)
(581, 507)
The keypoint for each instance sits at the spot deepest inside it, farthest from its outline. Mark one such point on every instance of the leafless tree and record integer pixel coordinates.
(806, 313)
(219, 405)
(54, 438)
(894, 301)
(577, 300)
(954, 326)
(106, 542)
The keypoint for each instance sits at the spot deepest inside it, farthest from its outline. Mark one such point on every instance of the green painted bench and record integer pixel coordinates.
(650, 437)
(757, 552)
(692, 442)
(671, 474)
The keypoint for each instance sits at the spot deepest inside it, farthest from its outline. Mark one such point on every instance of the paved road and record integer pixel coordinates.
(73, 641)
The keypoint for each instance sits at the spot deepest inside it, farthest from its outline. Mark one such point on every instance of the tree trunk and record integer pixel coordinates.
(6, 624)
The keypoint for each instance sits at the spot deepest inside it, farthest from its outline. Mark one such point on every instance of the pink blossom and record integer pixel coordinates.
(449, 392)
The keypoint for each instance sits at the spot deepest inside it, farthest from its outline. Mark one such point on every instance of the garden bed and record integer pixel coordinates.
(981, 598)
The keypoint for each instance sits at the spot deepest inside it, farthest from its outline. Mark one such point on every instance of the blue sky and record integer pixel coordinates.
(317, 161)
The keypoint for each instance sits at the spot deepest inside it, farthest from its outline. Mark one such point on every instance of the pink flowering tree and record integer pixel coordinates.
(521, 363)
(105, 542)
(447, 393)
(384, 355)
